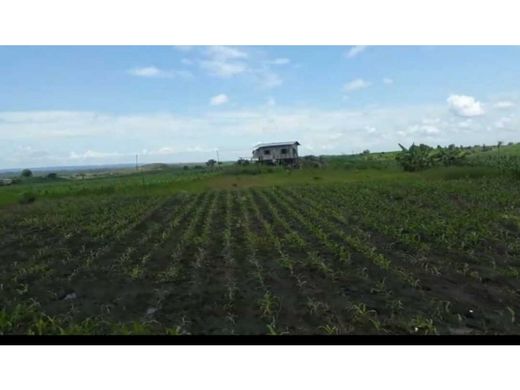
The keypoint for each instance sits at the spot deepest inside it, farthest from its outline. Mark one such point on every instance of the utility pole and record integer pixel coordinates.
(218, 160)
(136, 164)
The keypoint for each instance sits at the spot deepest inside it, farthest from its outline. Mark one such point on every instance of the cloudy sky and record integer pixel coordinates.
(97, 105)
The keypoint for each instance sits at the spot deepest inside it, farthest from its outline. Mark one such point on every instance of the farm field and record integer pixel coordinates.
(325, 253)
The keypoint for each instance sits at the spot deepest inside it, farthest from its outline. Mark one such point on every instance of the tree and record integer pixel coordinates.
(211, 163)
(52, 175)
(451, 155)
(423, 156)
(415, 158)
(499, 145)
(26, 173)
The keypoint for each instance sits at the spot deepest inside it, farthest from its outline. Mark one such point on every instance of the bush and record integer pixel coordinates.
(451, 155)
(26, 173)
(52, 176)
(26, 198)
(419, 157)
(416, 157)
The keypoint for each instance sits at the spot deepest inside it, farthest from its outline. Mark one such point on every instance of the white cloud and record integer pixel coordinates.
(503, 123)
(388, 81)
(269, 79)
(465, 106)
(422, 129)
(279, 61)
(154, 72)
(225, 53)
(504, 104)
(219, 100)
(466, 123)
(228, 62)
(370, 129)
(224, 61)
(93, 155)
(148, 71)
(165, 150)
(355, 51)
(355, 85)
(223, 69)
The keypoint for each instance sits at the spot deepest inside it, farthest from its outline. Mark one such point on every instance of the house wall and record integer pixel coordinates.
(275, 153)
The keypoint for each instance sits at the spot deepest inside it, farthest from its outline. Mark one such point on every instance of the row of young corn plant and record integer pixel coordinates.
(184, 292)
(44, 274)
(445, 215)
(134, 259)
(210, 286)
(435, 284)
(267, 305)
(229, 264)
(431, 290)
(158, 257)
(98, 218)
(431, 227)
(169, 275)
(83, 246)
(411, 295)
(329, 292)
(176, 240)
(294, 255)
(47, 275)
(369, 284)
(331, 220)
(123, 265)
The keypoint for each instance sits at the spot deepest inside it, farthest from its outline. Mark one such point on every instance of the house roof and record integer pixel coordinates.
(290, 143)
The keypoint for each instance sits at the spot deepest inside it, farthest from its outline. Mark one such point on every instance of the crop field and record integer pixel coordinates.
(369, 257)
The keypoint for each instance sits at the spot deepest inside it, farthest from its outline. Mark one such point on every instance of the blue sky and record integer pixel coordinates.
(71, 105)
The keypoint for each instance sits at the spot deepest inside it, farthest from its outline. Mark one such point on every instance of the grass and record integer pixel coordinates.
(175, 181)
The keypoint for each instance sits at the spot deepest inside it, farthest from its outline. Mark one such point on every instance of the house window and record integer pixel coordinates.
(284, 151)
(267, 151)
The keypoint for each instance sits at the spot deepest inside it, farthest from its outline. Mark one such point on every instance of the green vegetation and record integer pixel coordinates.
(344, 245)
(26, 173)
(420, 157)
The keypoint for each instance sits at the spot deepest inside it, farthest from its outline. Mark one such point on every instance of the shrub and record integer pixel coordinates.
(415, 158)
(26, 173)
(419, 157)
(451, 155)
(26, 197)
(52, 175)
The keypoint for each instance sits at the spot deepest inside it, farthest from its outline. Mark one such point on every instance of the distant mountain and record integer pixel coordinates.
(69, 169)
